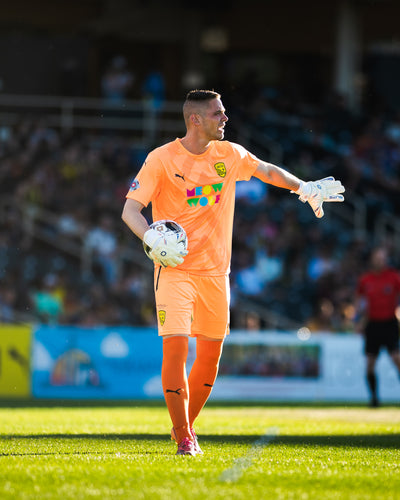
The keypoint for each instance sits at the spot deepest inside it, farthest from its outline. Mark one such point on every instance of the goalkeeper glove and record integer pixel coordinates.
(316, 192)
(164, 249)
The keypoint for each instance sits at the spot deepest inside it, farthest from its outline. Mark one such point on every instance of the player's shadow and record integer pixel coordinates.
(339, 441)
(390, 441)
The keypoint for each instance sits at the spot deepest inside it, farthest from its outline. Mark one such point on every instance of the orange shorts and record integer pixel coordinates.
(190, 304)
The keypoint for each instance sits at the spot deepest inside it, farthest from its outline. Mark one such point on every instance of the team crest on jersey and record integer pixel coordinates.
(220, 168)
(134, 185)
(161, 316)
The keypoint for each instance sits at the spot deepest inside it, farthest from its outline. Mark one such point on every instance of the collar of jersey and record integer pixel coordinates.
(183, 149)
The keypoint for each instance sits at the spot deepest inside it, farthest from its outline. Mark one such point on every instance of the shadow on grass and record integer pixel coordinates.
(157, 403)
(389, 441)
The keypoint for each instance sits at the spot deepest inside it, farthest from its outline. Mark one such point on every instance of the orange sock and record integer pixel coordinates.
(175, 383)
(203, 374)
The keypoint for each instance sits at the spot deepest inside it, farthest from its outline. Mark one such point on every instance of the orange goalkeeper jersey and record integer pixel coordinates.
(198, 192)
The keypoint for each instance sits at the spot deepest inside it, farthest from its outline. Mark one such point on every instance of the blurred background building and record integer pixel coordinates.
(88, 87)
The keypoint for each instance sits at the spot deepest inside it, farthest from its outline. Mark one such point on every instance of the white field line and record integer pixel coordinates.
(240, 465)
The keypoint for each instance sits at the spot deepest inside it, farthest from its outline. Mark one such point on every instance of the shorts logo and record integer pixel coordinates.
(161, 316)
(220, 168)
(134, 185)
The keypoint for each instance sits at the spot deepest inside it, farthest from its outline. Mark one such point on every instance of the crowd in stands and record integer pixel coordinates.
(284, 259)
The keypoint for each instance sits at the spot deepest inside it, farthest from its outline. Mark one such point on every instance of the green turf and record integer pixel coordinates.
(249, 453)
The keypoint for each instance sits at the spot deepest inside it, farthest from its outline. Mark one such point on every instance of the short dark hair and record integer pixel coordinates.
(196, 101)
(202, 95)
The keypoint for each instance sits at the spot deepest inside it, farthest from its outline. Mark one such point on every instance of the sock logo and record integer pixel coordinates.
(207, 385)
(176, 392)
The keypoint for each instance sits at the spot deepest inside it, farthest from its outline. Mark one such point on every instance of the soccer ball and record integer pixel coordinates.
(172, 232)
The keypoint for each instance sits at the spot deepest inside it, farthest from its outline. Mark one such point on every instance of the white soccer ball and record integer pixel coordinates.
(169, 230)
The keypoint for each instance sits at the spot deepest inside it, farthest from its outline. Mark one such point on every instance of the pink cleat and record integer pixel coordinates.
(186, 447)
(196, 443)
(199, 451)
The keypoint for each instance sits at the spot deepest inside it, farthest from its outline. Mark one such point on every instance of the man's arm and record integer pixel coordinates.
(161, 250)
(313, 192)
(360, 312)
(133, 217)
(271, 174)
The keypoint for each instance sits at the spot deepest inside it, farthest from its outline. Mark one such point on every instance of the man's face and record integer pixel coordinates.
(379, 259)
(213, 120)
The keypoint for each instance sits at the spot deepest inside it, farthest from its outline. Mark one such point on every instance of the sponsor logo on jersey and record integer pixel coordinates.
(204, 195)
(161, 316)
(220, 168)
(134, 185)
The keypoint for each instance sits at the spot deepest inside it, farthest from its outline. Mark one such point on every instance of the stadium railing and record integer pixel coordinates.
(68, 113)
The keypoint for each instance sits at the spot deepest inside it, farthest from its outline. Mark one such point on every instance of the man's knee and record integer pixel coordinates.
(175, 348)
(209, 351)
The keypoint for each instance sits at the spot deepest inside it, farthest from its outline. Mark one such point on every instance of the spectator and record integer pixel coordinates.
(102, 244)
(321, 263)
(247, 277)
(47, 303)
(8, 300)
(117, 81)
(153, 89)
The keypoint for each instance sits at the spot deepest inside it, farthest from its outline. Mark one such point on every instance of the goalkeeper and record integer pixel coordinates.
(191, 181)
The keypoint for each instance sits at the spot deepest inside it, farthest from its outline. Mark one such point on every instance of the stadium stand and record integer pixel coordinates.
(63, 187)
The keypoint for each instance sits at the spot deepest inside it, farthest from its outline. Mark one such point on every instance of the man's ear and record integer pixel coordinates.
(195, 119)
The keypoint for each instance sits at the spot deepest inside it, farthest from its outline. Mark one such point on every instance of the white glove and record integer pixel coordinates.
(316, 192)
(165, 249)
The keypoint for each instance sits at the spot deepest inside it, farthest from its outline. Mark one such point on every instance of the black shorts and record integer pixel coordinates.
(380, 334)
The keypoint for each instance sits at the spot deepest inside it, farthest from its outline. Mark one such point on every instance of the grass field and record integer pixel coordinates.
(254, 452)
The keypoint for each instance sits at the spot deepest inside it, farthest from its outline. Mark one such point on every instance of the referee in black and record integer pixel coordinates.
(378, 293)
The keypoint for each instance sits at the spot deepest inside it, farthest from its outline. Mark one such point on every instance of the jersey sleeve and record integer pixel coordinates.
(146, 184)
(247, 163)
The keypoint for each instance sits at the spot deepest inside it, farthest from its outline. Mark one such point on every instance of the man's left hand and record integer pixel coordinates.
(316, 192)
